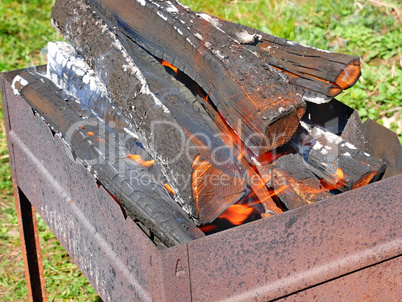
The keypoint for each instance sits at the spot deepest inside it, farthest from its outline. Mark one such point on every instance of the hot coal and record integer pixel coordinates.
(292, 181)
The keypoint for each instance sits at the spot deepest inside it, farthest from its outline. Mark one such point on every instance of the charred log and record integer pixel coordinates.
(148, 200)
(292, 181)
(337, 162)
(170, 130)
(253, 97)
(322, 73)
(255, 181)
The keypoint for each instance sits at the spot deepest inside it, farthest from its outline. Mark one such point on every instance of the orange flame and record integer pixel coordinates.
(339, 176)
(270, 156)
(277, 191)
(137, 158)
(202, 93)
(167, 64)
(237, 213)
(169, 188)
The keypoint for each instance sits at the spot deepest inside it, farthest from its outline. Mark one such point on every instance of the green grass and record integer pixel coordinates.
(369, 29)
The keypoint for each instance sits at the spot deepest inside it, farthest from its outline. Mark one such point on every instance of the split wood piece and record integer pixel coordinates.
(254, 179)
(317, 70)
(148, 200)
(170, 130)
(292, 181)
(254, 98)
(337, 162)
(218, 179)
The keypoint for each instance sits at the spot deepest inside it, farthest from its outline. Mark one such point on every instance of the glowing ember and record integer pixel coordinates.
(137, 158)
(270, 156)
(237, 213)
(169, 188)
(339, 174)
(167, 64)
(328, 185)
(365, 180)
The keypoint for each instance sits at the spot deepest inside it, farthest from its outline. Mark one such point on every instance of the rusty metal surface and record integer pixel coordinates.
(286, 253)
(381, 282)
(31, 251)
(266, 259)
(116, 256)
(28, 228)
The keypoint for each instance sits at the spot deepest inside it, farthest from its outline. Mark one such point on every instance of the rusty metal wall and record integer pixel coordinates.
(116, 256)
(381, 282)
(266, 259)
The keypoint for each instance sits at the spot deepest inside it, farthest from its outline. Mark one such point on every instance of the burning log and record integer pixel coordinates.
(171, 130)
(255, 181)
(132, 185)
(338, 163)
(244, 88)
(290, 178)
(321, 73)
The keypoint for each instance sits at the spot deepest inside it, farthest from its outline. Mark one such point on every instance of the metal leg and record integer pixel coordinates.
(30, 247)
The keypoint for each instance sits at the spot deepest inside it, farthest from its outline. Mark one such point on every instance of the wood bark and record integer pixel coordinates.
(290, 178)
(136, 84)
(148, 200)
(240, 151)
(254, 98)
(322, 73)
(337, 162)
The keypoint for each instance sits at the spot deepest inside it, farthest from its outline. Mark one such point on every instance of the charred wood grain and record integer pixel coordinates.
(254, 98)
(321, 71)
(137, 85)
(255, 181)
(148, 200)
(340, 164)
(292, 181)
(216, 161)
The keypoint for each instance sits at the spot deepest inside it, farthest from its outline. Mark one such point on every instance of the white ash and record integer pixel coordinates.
(317, 146)
(171, 8)
(135, 71)
(246, 38)
(350, 146)
(324, 151)
(161, 15)
(281, 110)
(199, 36)
(316, 99)
(218, 54)
(255, 161)
(20, 80)
(317, 132)
(189, 41)
(69, 71)
(179, 31)
(213, 21)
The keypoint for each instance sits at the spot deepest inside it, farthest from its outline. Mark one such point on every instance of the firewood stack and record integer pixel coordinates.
(208, 142)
